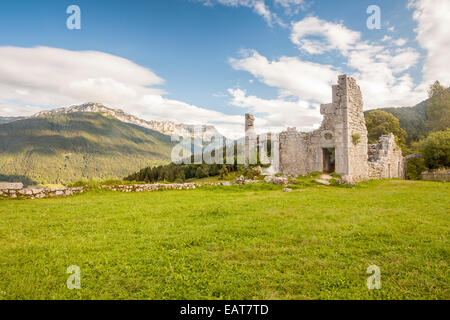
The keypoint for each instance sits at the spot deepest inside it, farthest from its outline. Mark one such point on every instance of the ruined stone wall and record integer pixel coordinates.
(150, 187)
(385, 159)
(302, 153)
(16, 191)
(437, 175)
(343, 130)
(355, 132)
(295, 152)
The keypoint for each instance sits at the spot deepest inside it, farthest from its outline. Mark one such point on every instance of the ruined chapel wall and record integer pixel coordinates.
(386, 160)
(295, 152)
(302, 153)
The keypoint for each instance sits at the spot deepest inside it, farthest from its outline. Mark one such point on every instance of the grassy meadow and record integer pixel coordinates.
(240, 242)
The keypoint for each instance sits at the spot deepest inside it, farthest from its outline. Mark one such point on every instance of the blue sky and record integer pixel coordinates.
(226, 56)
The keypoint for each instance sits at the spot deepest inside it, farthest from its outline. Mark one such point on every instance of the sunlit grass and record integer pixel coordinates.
(243, 242)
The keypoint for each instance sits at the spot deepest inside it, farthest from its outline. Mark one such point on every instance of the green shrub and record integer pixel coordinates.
(356, 137)
(436, 149)
(414, 168)
(78, 183)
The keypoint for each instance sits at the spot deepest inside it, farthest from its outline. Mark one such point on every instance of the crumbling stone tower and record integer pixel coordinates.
(344, 119)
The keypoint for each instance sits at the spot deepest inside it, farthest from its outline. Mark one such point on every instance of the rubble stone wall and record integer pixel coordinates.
(16, 191)
(386, 160)
(437, 175)
(150, 187)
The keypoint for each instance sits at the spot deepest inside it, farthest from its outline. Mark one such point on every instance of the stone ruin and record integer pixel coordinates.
(17, 191)
(340, 144)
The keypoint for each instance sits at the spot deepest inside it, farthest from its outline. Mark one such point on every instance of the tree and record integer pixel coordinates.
(438, 109)
(199, 173)
(414, 168)
(435, 89)
(380, 122)
(436, 149)
(223, 172)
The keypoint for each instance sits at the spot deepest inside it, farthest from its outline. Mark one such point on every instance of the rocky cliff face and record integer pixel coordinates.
(165, 127)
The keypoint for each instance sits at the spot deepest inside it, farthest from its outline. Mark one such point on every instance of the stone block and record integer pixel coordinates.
(11, 186)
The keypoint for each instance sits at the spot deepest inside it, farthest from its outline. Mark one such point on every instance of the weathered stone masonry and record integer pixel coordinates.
(340, 144)
(16, 190)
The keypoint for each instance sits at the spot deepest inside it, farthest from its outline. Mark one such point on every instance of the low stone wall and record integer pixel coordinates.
(166, 186)
(437, 175)
(16, 191)
(150, 187)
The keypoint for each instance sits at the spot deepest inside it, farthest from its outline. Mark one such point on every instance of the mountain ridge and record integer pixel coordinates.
(165, 127)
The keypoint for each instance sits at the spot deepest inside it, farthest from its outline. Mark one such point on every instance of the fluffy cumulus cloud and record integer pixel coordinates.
(316, 36)
(36, 78)
(292, 76)
(276, 114)
(381, 69)
(433, 35)
(302, 85)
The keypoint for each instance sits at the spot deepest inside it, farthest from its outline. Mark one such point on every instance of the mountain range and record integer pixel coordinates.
(89, 141)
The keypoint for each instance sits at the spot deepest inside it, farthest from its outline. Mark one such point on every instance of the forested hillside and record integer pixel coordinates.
(62, 148)
(412, 120)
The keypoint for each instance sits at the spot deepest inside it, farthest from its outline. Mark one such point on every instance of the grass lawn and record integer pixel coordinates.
(243, 242)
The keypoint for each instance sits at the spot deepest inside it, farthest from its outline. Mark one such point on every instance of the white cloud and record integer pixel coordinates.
(376, 67)
(34, 78)
(302, 86)
(13, 109)
(277, 114)
(316, 36)
(258, 6)
(433, 34)
(291, 6)
(262, 8)
(292, 76)
(400, 42)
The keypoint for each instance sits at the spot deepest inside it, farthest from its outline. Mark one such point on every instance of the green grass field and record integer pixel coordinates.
(243, 242)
